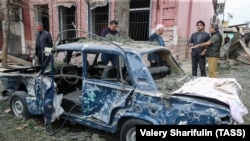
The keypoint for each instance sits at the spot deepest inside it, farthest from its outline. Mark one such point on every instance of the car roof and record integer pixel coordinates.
(131, 46)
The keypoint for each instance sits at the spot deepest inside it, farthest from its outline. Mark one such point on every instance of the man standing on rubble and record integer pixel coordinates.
(213, 49)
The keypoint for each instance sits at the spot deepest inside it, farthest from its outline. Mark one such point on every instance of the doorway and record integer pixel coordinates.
(67, 20)
(42, 15)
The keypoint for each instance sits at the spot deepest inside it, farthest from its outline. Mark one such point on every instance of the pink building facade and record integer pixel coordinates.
(178, 16)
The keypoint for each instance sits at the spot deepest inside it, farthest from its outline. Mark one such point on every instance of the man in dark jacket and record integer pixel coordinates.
(111, 30)
(226, 39)
(154, 58)
(197, 54)
(213, 49)
(43, 40)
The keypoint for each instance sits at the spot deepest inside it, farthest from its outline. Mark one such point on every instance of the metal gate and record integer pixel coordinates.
(100, 19)
(139, 13)
(67, 20)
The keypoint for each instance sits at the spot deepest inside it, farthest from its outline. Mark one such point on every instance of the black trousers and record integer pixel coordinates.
(39, 55)
(201, 61)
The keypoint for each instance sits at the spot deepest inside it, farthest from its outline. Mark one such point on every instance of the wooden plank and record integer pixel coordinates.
(243, 59)
(244, 47)
(17, 60)
(244, 56)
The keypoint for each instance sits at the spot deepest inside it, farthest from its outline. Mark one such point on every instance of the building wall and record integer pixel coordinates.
(178, 16)
(27, 25)
(112, 9)
(201, 10)
(1, 30)
(189, 12)
(81, 15)
(1, 38)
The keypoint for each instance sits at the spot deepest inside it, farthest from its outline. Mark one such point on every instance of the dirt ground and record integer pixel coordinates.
(33, 129)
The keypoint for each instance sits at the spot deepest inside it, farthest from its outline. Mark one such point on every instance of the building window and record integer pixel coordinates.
(67, 20)
(139, 19)
(42, 15)
(100, 17)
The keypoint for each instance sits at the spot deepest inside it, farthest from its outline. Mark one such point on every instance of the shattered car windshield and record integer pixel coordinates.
(69, 57)
(167, 75)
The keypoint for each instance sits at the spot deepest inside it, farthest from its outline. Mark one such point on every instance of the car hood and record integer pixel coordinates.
(225, 90)
(171, 83)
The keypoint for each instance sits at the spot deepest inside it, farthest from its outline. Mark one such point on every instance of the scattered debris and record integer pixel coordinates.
(15, 60)
(14, 63)
(7, 110)
(22, 126)
(236, 50)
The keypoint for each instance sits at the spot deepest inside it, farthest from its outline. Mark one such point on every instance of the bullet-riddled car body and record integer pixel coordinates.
(75, 84)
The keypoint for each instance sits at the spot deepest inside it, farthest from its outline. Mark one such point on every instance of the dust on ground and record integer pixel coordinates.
(33, 129)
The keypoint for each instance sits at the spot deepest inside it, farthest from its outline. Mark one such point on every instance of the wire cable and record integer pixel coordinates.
(49, 128)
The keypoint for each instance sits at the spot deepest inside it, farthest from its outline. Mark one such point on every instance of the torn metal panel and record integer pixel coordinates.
(100, 100)
(13, 82)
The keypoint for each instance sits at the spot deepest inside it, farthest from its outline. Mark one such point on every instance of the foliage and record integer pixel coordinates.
(118, 39)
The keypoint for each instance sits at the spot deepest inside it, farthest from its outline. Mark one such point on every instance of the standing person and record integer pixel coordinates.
(111, 30)
(43, 39)
(198, 54)
(226, 39)
(213, 49)
(247, 39)
(154, 58)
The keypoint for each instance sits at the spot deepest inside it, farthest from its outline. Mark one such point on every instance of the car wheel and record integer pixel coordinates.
(128, 130)
(18, 104)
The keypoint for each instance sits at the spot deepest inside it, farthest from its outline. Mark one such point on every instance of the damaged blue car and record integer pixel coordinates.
(74, 83)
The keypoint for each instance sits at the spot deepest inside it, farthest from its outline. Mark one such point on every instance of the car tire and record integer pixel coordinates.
(128, 131)
(18, 104)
